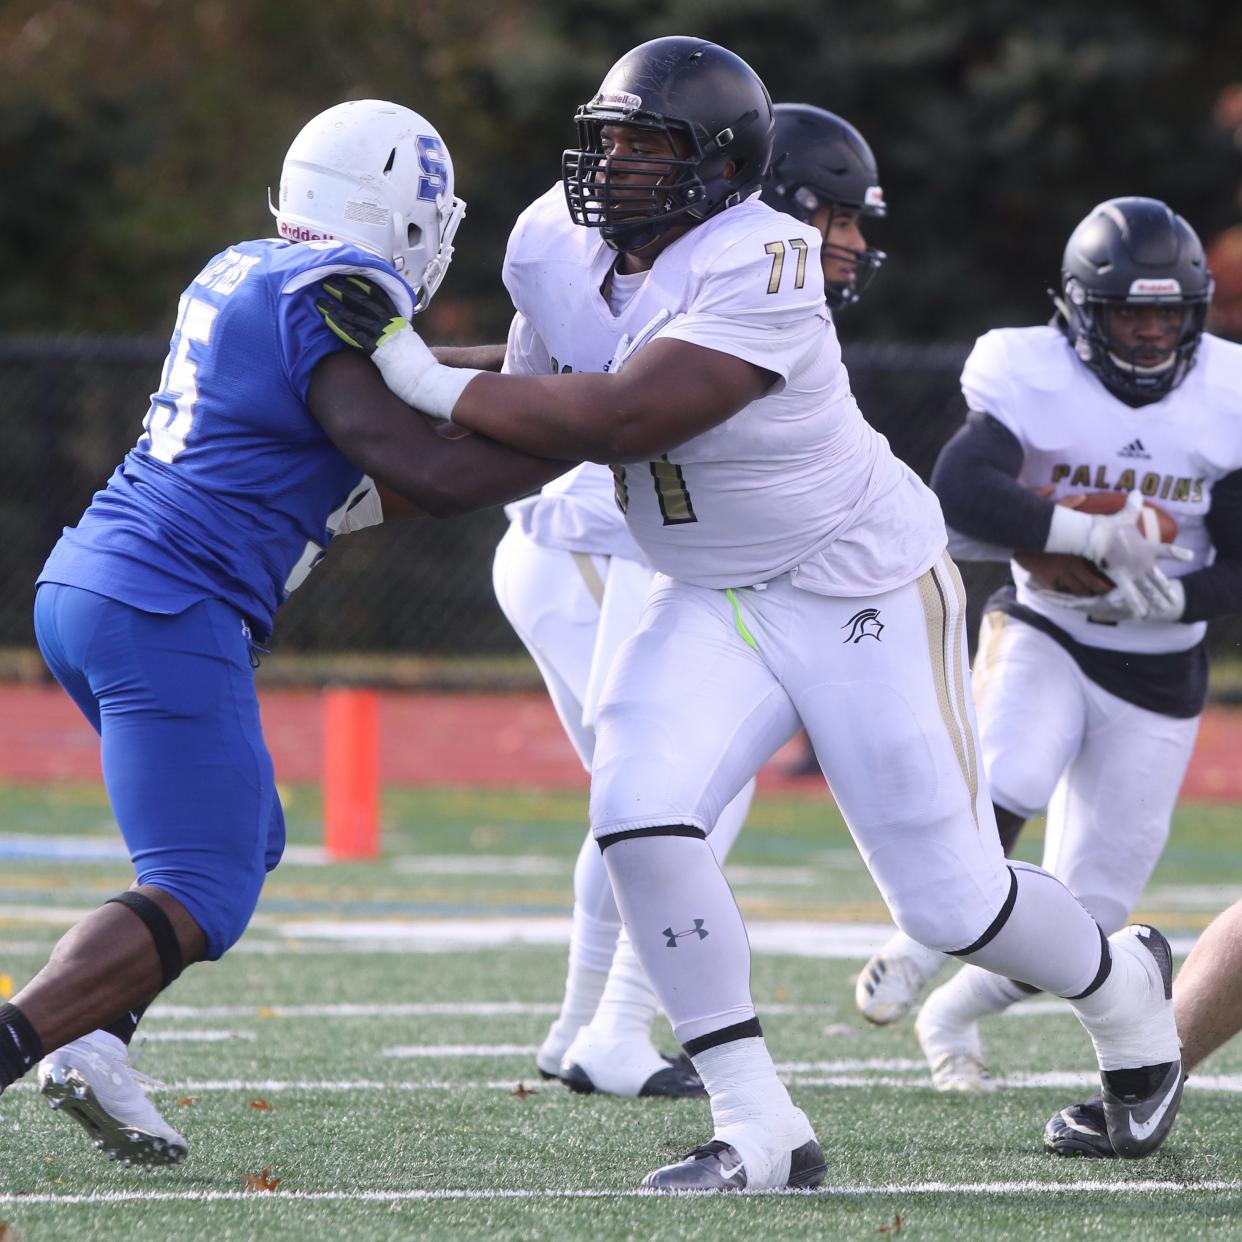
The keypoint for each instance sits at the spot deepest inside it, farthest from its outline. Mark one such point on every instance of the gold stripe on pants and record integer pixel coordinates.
(944, 606)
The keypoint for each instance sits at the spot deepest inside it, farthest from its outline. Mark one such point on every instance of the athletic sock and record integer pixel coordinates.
(628, 1005)
(974, 993)
(686, 929)
(125, 1026)
(751, 1108)
(20, 1047)
(1112, 1014)
(926, 961)
(591, 946)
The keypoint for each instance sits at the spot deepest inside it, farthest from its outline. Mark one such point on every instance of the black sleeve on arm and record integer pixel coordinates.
(1217, 590)
(976, 478)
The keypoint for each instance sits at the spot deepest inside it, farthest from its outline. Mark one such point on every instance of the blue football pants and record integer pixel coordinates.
(187, 771)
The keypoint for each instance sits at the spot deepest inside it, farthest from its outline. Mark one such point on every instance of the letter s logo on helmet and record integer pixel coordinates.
(378, 175)
(713, 111)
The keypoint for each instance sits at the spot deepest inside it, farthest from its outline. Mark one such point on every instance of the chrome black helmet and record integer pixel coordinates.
(820, 160)
(1137, 252)
(715, 113)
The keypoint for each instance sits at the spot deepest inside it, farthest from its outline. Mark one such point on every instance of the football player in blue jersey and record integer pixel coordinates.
(262, 442)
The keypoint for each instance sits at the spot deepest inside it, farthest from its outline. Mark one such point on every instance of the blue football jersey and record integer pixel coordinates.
(233, 490)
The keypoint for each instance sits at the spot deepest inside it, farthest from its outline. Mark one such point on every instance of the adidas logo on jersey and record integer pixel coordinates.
(1134, 449)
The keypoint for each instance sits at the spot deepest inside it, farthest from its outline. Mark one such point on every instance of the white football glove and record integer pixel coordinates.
(1163, 598)
(412, 373)
(1112, 540)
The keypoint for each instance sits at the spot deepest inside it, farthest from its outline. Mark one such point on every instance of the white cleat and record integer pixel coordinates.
(952, 1049)
(894, 978)
(627, 1067)
(92, 1081)
(551, 1052)
(962, 1072)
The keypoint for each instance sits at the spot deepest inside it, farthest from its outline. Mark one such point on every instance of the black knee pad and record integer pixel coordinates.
(661, 830)
(160, 926)
(1009, 824)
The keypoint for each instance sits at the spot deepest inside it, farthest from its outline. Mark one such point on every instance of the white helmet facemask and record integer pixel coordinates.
(377, 175)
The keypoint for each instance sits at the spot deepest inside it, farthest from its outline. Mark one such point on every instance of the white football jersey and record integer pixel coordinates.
(1077, 437)
(796, 481)
(577, 512)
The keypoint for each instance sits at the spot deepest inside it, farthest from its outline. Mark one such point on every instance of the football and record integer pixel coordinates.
(1075, 575)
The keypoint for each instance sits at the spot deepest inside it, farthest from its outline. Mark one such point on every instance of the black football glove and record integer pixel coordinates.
(359, 312)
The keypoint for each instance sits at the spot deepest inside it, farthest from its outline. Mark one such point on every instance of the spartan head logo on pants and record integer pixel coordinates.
(865, 623)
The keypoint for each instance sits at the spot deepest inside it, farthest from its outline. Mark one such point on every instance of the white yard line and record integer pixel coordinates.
(981, 1189)
(193, 1037)
(414, 1051)
(407, 1009)
(1228, 1084)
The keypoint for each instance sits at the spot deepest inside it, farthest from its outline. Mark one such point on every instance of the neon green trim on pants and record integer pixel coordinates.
(737, 620)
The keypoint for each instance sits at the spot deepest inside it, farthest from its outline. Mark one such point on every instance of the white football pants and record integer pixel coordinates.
(573, 611)
(1108, 772)
(714, 682)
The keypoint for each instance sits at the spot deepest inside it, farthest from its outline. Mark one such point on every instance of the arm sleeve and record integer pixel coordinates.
(976, 479)
(1216, 591)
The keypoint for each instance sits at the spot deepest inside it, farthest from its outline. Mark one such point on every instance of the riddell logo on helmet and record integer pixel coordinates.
(299, 232)
(1164, 287)
(618, 99)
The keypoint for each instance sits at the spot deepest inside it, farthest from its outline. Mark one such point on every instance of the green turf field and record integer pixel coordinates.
(369, 1044)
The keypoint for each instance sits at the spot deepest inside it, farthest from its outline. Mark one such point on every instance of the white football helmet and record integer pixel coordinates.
(377, 175)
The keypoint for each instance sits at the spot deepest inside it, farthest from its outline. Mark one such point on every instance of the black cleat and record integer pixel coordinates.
(1080, 1130)
(1140, 1104)
(717, 1166)
(679, 1080)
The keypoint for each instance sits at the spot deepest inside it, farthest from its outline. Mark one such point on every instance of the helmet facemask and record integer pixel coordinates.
(1121, 367)
(632, 200)
(862, 264)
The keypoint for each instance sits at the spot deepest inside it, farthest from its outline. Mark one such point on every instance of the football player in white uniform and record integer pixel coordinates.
(803, 580)
(572, 582)
(1089, 685)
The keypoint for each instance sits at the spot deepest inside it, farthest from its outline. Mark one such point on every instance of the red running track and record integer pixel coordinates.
(494, 741)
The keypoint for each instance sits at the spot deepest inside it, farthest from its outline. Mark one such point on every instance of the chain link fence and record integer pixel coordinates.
(71, 407)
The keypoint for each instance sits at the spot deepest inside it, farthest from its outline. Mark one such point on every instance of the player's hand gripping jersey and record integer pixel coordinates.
(797, 480)
(234, 490)
(1077, 437)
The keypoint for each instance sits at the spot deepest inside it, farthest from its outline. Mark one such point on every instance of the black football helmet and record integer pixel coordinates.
(708, 103)
(820, 160)
(1133, 251)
